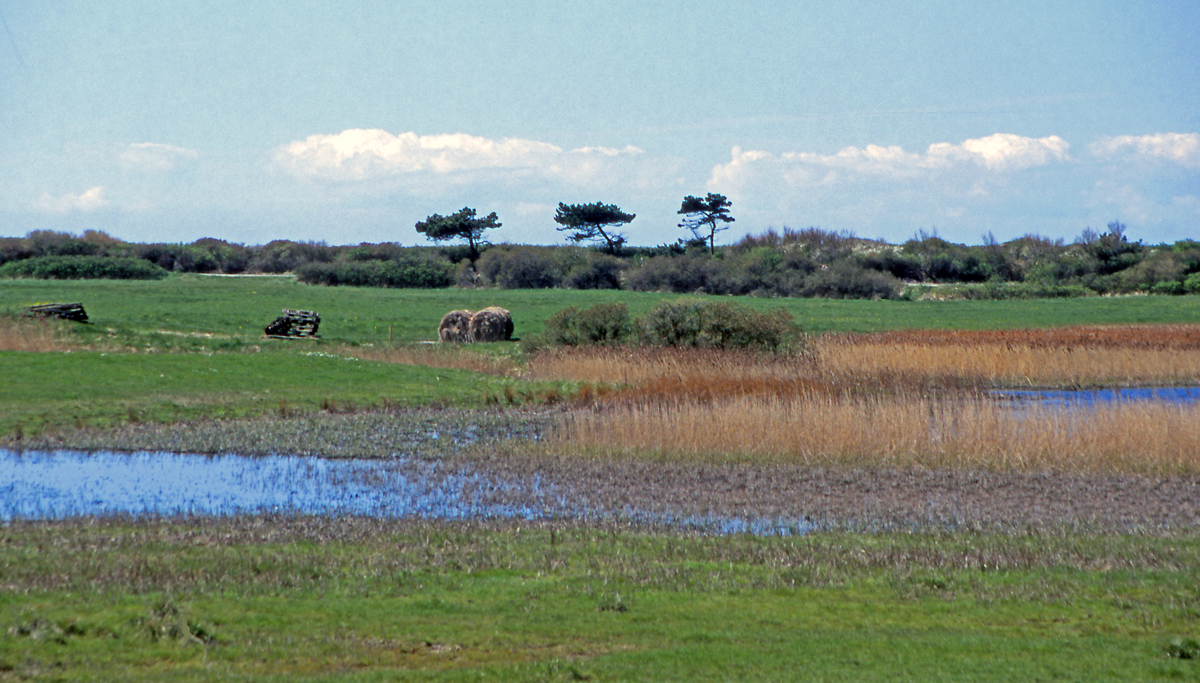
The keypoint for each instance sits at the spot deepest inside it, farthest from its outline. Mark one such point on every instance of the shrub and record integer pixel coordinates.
(285, 256)
(601, 272)
(604, 323)
(1191, 285)
(83, 268)
(521, 268)
(414, 273)
(1173, 288)
(682, 274)
(723, 325)
(847, 280)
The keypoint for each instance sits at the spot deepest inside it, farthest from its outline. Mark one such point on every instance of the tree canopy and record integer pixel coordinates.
(588, 222)
(706, 213)
(461, 224)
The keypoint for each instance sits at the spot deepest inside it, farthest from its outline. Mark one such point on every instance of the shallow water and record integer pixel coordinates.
(48, 485)
(1098, 397)
(60, 484)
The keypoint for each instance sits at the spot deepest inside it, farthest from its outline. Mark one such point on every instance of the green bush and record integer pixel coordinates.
(83, 268)
(1191, 284)
(724, 325)
(604, 323)
(521, 268)
(848, 280)
(410, 273)
(1173, 288)
(601, 272)
(683, 274)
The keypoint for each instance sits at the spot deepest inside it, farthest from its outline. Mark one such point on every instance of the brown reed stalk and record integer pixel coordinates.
(889, 431)
(28, 334)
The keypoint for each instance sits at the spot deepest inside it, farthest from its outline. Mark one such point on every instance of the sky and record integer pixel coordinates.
(348, 122)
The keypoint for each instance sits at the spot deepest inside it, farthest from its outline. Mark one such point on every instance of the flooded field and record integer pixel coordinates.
(1099, 397)
(62, 484)
(59, 484)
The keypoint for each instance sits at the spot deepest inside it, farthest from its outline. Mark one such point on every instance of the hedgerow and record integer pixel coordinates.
(82, 268)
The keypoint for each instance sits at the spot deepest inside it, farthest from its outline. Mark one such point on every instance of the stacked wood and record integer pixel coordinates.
(294, 323)
(491, 324)
(455, 327)
(62, 311)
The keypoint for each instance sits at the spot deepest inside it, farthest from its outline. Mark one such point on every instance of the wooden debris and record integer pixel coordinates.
(294, 324)
(62, 311)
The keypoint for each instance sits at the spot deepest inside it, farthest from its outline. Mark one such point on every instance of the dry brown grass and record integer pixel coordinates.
(895, 400)
(29, 334)
(1146, 355)
(891, 432)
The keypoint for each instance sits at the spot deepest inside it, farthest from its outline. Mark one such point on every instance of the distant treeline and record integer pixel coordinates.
(794, 263)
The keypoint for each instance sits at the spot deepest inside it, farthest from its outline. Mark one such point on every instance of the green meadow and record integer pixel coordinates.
(364, 600)
(314, 599)
(193, 346)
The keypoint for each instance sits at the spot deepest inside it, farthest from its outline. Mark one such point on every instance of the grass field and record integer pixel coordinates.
(313, 600)
(293, 598)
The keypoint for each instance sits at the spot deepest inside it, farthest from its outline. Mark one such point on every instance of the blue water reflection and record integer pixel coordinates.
(60, 484)
(1098, 397)
(51, 485)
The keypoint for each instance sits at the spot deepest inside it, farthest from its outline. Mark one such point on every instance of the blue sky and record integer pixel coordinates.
(349, 122)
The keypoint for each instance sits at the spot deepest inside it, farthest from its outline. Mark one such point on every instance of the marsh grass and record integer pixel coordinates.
(1136, 355)
(273, 598)
(889, 432)
(20, 333)
(909, 399)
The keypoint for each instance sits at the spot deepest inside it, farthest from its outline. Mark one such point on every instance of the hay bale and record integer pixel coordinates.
(455, 327)
(491, 324)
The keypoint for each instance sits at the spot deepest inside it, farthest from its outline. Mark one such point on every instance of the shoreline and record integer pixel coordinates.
(501, 444)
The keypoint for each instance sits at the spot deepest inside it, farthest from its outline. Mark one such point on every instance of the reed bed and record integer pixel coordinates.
(907, 399)
(28, 334)
(967, 433)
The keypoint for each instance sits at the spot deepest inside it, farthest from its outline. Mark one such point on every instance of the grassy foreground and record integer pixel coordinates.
(320, 599)
(359, 599)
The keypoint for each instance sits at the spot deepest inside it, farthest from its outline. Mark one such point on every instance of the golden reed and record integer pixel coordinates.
(911, 399)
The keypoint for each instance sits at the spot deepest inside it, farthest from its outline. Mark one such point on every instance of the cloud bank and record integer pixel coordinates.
(360, 155)
(87, 201)
(1180, 148)
(1002, 152)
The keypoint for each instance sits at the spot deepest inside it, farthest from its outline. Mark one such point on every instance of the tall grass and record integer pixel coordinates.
(28, 334)
(896, 432)
(1076, 356)
(894, 400)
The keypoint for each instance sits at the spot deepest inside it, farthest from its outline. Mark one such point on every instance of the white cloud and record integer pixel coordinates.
(1008, 152)
(999, 153)
(425, 162)
(153, 156)
(1181, 148)
(89, 200)
(358, 154)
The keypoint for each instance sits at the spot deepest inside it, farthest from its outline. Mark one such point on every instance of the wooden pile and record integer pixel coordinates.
(294, 323)
(63, 311)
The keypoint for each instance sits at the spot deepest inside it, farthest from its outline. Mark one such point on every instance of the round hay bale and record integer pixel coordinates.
(455, 327)
(491, 324)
